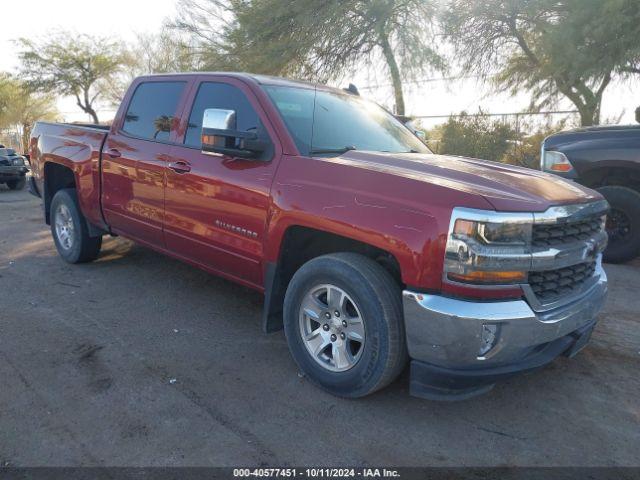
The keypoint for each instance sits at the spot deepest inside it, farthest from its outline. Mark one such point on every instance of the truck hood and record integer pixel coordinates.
(601, 137)
(505, 187)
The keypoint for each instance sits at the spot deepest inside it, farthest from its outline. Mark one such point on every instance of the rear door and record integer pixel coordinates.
(134, 158)
(217, 205)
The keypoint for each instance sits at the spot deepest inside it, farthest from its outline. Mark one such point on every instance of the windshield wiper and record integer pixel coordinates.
(333, 150)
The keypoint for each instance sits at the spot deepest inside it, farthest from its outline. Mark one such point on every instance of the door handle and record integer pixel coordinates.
(113, 153)
(180, 167)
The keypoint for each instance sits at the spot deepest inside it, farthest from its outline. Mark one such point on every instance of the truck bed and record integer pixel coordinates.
(78, 147)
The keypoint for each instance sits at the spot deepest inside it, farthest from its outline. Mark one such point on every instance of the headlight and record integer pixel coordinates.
(489, 233)
(555, 162)
(488, 248)
(17, 161)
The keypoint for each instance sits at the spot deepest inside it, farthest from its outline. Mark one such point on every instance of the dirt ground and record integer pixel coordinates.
(139, 360)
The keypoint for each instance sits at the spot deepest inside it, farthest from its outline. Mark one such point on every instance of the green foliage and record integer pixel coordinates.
(552, 48)
(6, 95)
(21, 108)
(161, 53)
(69, 64)
(525, 151)
(478, 136)
(150, 53)
(472, 136)
(315, 39)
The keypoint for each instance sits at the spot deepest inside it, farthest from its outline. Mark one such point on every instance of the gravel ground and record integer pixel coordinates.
(139, 360)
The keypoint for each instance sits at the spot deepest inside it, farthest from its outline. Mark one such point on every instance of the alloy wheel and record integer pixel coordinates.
(332, 327)
(64, 227)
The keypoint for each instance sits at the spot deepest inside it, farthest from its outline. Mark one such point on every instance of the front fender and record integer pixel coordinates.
(383, 211)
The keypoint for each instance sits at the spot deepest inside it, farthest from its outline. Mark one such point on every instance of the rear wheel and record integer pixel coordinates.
(623, 224)
(344, 325)
(17, 184)
(69, 229)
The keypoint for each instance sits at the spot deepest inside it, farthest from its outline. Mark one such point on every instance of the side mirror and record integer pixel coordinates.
(421, 135)
(219, 135)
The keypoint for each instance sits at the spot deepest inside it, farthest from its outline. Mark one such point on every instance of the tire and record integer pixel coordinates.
(77, 246)
(623, 224)
(17, 184)
(373, 296)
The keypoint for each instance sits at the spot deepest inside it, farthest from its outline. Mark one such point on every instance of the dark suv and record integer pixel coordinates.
(608, 160)
(13, 169)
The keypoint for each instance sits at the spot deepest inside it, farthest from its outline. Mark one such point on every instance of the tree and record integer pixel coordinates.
(315, 39)
(6, 95)
(525, 151)
(69, 64)
(473, 136)
(551, 48)
(150, 53)
(163, 53)
(21, 108)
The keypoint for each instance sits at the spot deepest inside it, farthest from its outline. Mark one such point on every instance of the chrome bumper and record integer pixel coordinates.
(448, 332)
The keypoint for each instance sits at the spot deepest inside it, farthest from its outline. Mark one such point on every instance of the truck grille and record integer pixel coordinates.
(551, 284)
(549, 235)
(4, 162)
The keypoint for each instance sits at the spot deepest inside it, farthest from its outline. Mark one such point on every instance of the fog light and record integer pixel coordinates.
(488, 338)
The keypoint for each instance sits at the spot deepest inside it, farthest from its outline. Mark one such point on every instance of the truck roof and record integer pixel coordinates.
(257, 78)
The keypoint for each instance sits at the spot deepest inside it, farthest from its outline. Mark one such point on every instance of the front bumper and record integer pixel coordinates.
(12, 172)
(448, 337)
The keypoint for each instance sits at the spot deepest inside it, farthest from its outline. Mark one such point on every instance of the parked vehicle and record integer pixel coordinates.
(608, 160)
(369, 249)
(13, 169)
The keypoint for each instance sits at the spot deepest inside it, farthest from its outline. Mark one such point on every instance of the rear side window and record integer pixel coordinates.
(225, 96)
(152, 110)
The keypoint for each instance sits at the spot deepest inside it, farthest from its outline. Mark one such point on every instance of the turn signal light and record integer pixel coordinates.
(561, 167)
(553, 161)
(487, 277)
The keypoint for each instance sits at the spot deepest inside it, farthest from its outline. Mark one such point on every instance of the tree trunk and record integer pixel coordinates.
(585, 99)
(589, 115)
(387, 51)
(93, 114)
(86, 107)
(26, 134)
(589, 109)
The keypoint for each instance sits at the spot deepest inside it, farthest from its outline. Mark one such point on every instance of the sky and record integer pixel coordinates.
(125, 18)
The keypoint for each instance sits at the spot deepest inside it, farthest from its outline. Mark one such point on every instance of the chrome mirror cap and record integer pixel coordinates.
(219, 119)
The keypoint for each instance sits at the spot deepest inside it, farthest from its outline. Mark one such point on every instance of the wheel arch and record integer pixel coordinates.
(56, 177)
(612, 173)
(299, 245)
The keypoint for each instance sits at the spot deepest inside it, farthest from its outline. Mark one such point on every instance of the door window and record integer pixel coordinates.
(152, 110)
(224, 96)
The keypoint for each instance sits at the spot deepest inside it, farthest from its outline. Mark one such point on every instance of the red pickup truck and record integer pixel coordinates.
(369, 249)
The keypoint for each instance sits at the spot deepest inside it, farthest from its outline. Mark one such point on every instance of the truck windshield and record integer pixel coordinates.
(326, 122)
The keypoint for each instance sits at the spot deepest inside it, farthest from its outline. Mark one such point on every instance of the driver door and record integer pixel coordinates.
(216, 205)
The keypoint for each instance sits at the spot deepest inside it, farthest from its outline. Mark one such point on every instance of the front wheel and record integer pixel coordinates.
(623, 223)
(344, 325)
(17, 184)
(69, 229)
